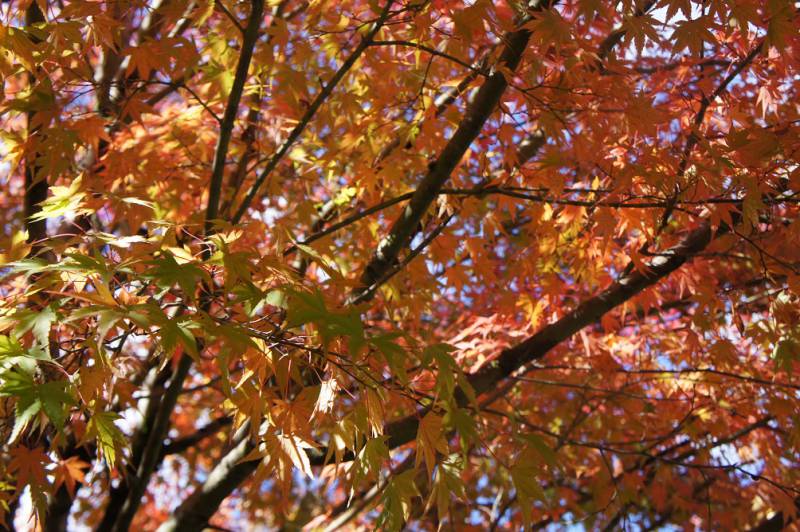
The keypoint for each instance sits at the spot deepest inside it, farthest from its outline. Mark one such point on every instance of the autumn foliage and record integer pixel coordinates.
(385, 263)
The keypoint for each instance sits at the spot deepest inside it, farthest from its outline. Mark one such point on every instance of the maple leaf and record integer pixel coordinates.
(32, 398)
(528, 488)
(692, 34)
(289, 451)
(327, 397)
(782, 23)
(109, 438)
(397, 501)
(767, 100)
(91, 130)
(533, 309)
(144, 59)
(167, 272)
(39, 323)
(135, 108)
(447, 484)
(684, 6)
(640, 29)
(430, 440)
(306, 307)
(196, 196)
(16, 248)
(69, 472)
(28, 466)
(786, 351)
(549, 27)
(63, 200)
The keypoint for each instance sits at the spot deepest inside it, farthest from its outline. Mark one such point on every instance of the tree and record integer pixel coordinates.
(375, 263)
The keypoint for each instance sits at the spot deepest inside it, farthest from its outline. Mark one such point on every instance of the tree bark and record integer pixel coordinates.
(36, 186)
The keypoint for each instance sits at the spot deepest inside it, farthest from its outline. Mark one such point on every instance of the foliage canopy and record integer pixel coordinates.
(317, 263)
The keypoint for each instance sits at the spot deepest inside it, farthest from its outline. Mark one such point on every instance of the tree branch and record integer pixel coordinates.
(404, 430)
(110, 74)
(228, 474)
(229, 117)
(36, 186)
(195, 511)
(477, 114)
(527, 196)
(591, 310)
(616, 36)
(152, 451)
(311, 111)
(237, 177)
(431, 51)
(414, 253)
(211, 496)
(181, 444)
(330, 208)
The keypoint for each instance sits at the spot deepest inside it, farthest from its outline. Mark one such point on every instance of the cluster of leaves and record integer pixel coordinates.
(483, 264)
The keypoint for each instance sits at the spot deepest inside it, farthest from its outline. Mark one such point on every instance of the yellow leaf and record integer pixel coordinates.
(104, 293)
(326, 398)
(430, 439)
(17, 249)
(534, 309)
(64, 200)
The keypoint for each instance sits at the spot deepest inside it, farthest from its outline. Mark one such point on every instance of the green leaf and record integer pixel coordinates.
(370, 458)
(276, 298)
(430, 352)
(542, 449)
(10, 348)
(786, 351)
(249, 295)
(308, 307)
(177, 332)
(86, 263)
(27, 267)
(109, 438)
(12, 353)
(394, 354)
(328, 266)
(235, 338)
(446, 484)
(54, 398)
(107, 319)
(173, 331)
(459, 419)
(39, 322)
(396, 501)
(430, 440)
(167, 272)
(446, 376)
(526, 482)
(22, 387)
